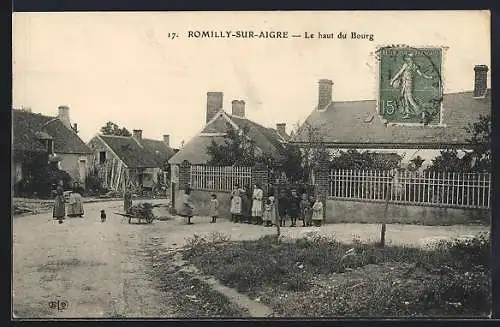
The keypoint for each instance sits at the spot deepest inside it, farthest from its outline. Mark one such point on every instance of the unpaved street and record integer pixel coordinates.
(101, 269)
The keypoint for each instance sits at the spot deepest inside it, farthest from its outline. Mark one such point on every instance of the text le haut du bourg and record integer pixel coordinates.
(277, 35)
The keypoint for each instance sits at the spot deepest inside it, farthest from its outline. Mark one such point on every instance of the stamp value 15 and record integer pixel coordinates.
(410, 85)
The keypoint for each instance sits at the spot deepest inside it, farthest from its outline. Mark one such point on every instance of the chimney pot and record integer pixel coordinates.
(238, 108)
(214, 104)
(324, 93)
(137, 134)
(166, 140)
(480, 80)
(63, 115)
(281, 128)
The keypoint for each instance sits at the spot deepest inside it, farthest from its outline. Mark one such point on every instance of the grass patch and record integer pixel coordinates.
(189, 296)
(317, 276)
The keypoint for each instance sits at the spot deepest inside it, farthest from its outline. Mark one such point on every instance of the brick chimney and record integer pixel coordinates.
(166, 140)
(63, 115)
(238, 108)
(214, 104)
(137, 135)
(480, 80)
(281, 128)
(325, 93)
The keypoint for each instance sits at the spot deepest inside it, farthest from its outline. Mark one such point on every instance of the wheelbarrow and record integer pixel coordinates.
(141, 212)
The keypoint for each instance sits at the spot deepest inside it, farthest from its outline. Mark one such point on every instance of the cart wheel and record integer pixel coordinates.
(129, 219)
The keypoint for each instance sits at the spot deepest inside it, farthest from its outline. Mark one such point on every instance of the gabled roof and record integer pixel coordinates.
(29, 127)
(158, 150)
(130, 152)
(357, 124)
(195, 151)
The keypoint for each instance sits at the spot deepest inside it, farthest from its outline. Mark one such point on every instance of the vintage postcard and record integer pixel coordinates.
(251, 164)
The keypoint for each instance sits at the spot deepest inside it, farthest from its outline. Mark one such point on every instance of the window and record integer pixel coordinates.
(102, 157)
(50, 146)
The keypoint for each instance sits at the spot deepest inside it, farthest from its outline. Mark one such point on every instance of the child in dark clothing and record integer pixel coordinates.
(293, 209)
(282, 208)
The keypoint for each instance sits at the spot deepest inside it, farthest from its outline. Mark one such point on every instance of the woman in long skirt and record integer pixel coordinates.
(59, 211)
(257, 205)
(75, 203)
(235, 203)
(127, 199)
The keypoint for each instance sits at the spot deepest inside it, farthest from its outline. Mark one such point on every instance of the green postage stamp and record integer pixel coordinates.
(410, 85)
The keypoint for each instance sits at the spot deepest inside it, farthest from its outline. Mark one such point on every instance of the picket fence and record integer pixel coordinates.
(220, 179)
(447, 189)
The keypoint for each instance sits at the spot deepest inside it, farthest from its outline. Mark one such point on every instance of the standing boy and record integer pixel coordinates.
(282, 208)
(293, 207)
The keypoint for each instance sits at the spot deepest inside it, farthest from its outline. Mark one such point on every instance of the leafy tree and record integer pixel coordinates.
(478, 160)
(355, 159)
(313, 151)
(113, 129)
(480, 140)
(237, 149)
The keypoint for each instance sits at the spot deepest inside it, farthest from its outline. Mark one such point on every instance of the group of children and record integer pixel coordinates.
(277, 211)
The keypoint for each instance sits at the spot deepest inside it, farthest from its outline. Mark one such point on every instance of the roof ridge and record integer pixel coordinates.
(111, 135)
(374, 100)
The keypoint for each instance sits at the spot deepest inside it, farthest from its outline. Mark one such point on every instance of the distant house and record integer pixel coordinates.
(53, 137)
(140, 161)
(357, 124)
(268, 141)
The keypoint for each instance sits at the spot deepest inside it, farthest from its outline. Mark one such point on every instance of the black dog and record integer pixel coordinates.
(103, 216)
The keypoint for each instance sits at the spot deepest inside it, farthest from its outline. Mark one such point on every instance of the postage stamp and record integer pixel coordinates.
(410, 85)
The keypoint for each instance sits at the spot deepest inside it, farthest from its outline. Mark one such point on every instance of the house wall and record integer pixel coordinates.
(71, 164)
(341, 211)
(201, 200)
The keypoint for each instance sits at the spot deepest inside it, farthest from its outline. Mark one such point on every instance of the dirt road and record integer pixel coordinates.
(101, 269)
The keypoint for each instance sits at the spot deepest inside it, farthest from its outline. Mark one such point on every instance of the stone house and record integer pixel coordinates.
(54, 137)
(140, 161)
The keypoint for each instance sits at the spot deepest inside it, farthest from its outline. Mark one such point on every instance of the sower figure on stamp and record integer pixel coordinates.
(403, 80)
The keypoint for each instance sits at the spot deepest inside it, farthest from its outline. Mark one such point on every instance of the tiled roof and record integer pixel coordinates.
(130, 152)
(24, 136)
(26, 125)
(267, 139)
(159, 150)
(195, 151)
(355, 123)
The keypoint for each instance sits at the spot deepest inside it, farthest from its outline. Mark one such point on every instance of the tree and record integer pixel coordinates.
(236, 150)
(480, 141)
(478, 160)
(356, 159)
(113, 129)
(314, 150)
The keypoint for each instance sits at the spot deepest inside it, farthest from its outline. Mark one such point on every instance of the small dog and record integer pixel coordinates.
(103, 216)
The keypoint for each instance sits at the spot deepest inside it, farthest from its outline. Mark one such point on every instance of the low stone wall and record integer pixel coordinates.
(201, 200)
(338, 211)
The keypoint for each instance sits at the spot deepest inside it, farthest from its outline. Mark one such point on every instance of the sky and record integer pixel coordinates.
(124, 67)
